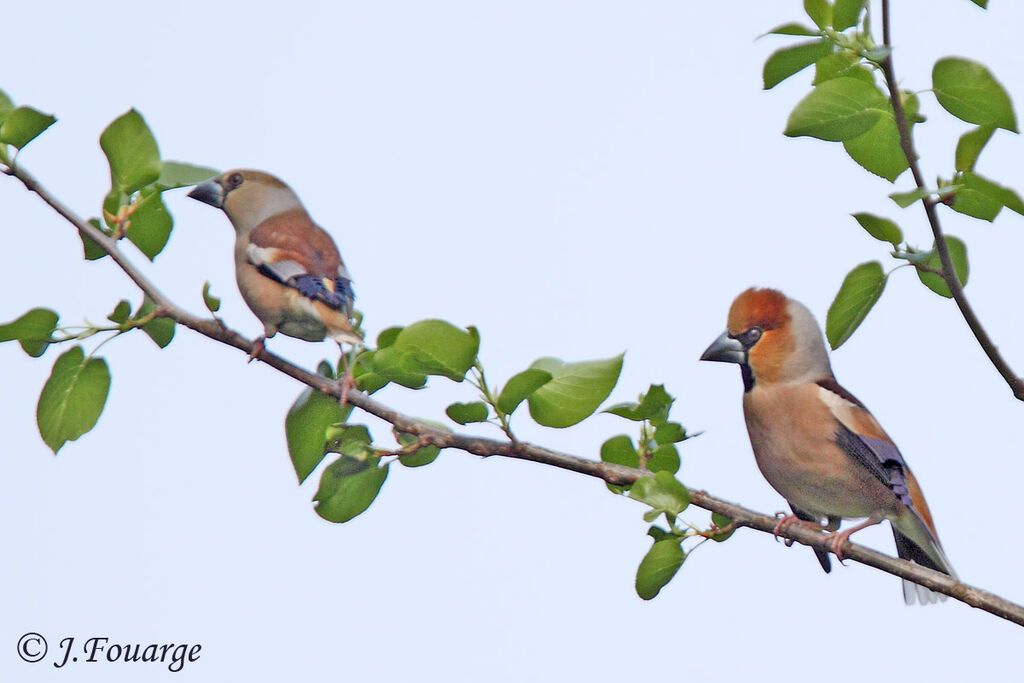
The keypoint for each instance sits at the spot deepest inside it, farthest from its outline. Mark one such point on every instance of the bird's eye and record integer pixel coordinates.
(750, 337)
(235, 180)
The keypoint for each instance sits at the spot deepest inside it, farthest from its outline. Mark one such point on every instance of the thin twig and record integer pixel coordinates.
(949, 275)
(607, 472)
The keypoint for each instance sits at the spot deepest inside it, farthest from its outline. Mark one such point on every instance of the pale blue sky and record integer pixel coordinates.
(574, 178)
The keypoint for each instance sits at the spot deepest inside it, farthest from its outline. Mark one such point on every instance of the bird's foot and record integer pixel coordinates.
(257, 348)
(346, 385)
(837, 540)
(347, 380)
(787, 521)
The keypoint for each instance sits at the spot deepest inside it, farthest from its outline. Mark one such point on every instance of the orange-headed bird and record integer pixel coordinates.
(814, 442)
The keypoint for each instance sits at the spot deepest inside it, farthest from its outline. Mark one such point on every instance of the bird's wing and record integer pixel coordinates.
(291, 249)
(860, 435)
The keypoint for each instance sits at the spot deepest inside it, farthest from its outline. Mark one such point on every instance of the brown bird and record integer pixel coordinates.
(814, 442)
(288, 269)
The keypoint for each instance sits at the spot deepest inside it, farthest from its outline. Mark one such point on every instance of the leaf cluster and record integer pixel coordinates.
(848, 104)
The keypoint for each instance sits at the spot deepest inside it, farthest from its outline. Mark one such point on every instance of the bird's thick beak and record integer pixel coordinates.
(725, 349)
(211, 192)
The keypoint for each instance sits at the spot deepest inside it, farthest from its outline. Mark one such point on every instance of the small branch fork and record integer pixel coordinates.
(1015, 382)
(607, 472)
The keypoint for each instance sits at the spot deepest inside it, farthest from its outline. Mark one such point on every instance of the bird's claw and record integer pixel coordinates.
(786, 521)
(257, 349)
(347, 381)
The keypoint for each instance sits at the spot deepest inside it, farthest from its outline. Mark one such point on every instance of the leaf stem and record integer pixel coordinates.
(492, 401)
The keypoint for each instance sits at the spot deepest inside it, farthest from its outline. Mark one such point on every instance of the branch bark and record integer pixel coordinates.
(1015, 382)
(607, 472)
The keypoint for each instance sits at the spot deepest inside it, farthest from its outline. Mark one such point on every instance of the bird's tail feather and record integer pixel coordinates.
(916, 542)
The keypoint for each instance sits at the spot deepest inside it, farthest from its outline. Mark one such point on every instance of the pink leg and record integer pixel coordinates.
(347, 381)
(790, 520)
(257, 348)
(837, 540)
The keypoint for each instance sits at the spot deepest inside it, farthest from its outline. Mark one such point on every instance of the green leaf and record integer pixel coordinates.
(305, 429)
(33, 330)
(787, 61)
(464, 413)
(575, 390)
(366, 378)
(880, 228)
(721, 521)
(619, 450)
(658, 567)
(174, 174)
(982, 198)
(958, 254)
(1012, 201)
(150, 226)
(131, 152)
(878, 150)
(519, 387)
(664, 459)
(878, 54)
(820, 12)
(911, 107)
(662, 492)
(6, 106)
(388, 365)
(121, 312)
(978, 197)
(353, 441)
(983, 4)
(348, 487)
(793, 29)
(370, 382)
(423, 455)
(387, 337)
(859, 292)
(212, 302)
(905, 199)
(840, 64)
(654, 405)
(324, 369)
(845, 14)
(670, 432)
(160, 330)
(837, 110)
(969, 147)
(23, 125)
(970, 92)
(72, 398)
(436, 347)
(90, 249)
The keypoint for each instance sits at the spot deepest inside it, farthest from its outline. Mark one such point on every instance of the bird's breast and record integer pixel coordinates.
(792, 433)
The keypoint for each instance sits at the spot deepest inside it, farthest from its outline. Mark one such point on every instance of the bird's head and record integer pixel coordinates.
(773, 338)
(247, 197)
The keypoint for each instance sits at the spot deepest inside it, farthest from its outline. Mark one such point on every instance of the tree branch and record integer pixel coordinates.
(1015, 382)
(607, 472)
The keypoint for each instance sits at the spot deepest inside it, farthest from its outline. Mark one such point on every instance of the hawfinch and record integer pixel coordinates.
(288, 269)
(814, 442)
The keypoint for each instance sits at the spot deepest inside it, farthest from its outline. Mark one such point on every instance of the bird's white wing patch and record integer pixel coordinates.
(265, 258)
(841, 409)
